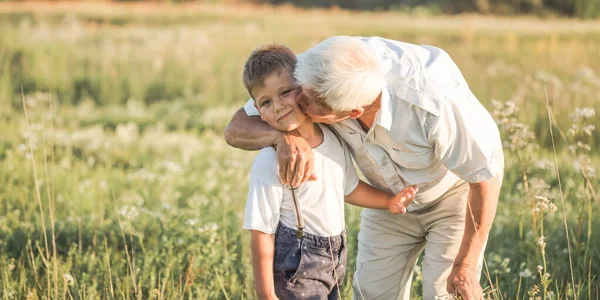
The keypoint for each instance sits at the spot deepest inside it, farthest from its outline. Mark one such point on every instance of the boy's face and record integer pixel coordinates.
(276, 102)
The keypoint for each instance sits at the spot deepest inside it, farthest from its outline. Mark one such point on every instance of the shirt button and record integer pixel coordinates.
(303, 273)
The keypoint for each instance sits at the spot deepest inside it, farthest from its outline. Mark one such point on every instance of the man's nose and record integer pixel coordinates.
(301, 100)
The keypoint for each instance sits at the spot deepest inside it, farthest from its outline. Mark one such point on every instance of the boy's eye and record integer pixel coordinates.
(286, 93)
(266, 102)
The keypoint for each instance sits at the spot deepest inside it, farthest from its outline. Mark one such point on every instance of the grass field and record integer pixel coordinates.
(116, 181)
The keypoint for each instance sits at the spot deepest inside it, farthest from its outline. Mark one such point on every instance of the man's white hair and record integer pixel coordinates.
(343, 71)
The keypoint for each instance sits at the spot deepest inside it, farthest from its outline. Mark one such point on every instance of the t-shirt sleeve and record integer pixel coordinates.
(250, 109)
(466, 139)
(262, 206)
(350, 177)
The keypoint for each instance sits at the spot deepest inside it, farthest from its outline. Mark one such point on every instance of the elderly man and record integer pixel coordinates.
(409, 117)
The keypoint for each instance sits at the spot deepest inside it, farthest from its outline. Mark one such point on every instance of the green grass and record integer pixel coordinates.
(141, 198)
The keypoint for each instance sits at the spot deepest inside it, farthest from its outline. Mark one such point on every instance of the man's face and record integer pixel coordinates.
(276, 102)
(316, 108)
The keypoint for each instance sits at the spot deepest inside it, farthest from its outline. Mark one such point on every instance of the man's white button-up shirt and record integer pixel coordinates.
(430, 129)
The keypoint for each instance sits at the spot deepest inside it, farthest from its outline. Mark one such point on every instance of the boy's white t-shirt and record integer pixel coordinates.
(322, 200)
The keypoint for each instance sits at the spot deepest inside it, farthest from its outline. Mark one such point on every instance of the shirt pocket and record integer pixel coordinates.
(412, 159)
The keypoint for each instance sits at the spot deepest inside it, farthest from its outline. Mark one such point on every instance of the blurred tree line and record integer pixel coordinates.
(572, 8)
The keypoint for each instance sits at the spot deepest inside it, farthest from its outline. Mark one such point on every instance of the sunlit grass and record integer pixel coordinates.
(138, 196)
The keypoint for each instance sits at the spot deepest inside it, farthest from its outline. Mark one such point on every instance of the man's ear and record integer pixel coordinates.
(355, 113)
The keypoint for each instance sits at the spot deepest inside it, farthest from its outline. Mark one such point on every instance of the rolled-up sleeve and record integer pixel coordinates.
(250, 109)
(262, 206)
(466, 139)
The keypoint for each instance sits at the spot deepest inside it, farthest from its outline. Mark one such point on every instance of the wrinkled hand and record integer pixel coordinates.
(295, 158)
(463, 282)
(398, 204)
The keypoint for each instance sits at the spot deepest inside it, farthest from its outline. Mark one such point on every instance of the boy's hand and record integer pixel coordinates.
(398, 203)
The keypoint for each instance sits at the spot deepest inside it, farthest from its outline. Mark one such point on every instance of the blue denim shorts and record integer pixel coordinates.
(311, 267)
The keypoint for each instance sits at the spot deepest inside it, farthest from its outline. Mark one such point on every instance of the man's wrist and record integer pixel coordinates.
(279, 136)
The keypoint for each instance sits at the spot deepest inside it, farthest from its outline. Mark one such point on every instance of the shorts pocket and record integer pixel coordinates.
(316, 265)
(288, 258)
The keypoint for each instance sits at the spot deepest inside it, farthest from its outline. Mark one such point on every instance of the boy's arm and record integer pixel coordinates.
(294, 155)
(263, 249)
(365, 195)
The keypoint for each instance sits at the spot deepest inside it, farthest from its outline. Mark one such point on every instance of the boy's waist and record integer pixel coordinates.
(286, 233)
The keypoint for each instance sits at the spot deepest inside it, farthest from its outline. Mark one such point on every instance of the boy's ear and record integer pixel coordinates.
(355, 113)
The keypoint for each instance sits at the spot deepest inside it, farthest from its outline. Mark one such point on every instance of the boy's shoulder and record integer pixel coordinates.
(265, 167)
(332, 143)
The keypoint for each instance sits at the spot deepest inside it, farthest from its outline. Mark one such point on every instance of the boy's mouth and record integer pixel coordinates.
(285, 116)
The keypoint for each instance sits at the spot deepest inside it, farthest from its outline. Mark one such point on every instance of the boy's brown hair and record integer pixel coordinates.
(264, 61)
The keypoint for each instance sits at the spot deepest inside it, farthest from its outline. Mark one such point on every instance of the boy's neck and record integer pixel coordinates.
(311, 132)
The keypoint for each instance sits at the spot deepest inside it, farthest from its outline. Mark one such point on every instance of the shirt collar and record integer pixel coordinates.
(384, 115)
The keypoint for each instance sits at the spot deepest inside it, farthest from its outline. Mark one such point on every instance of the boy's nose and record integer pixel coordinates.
(278, 105)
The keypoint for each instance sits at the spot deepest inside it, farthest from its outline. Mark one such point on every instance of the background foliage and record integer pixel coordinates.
(117, 182)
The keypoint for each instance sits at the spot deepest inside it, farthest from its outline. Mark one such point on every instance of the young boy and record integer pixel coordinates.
(298, 235)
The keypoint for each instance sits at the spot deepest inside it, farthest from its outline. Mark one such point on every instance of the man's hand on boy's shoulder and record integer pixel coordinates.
(398, 204)
(295, 159)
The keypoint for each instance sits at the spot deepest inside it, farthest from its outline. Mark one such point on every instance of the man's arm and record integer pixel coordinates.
(481, 209)
(262, 263)
(294, 155)
(365, 195)
(250, 132)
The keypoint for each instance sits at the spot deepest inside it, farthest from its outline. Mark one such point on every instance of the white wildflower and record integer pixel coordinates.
(525, 273)
(173, 167)
(68, 278)
(11, 264)
(209, 227)
(541, 242)
(129, 212)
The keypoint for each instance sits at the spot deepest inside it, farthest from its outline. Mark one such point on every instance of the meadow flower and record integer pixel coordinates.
(68, 278)
(544, 205)
(209, 227)
(172, 166)
(129, 212)
(11, 264)
(525, 273)
(541, 241)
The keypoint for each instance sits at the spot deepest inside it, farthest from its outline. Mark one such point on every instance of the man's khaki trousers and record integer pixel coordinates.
(389, 246)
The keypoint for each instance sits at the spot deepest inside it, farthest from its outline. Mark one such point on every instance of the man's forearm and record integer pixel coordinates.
(250, 133)
(481, 209)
